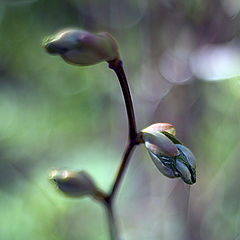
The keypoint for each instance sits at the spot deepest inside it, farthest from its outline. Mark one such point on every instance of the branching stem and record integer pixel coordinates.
(133, 137)
(133, 140)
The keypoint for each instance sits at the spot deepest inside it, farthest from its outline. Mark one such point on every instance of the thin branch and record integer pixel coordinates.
(112, 222)
(122, 169)
(118, 68)
(133, 140)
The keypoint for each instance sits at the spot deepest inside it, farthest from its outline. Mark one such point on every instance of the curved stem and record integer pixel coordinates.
(133, 139)
(118, 69)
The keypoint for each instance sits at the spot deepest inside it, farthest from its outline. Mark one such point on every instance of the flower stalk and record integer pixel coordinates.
(117, 67)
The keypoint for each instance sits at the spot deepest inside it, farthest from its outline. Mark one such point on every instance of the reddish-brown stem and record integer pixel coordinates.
(118, 69)
(133, 140)
(111, 220)
(117, 66)
(122, 169)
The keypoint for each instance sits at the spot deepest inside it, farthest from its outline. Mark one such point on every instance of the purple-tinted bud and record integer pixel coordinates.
(164, 169)
(168, 154)
(82, 48)
(161, 127)
(163, 144)
(73, 184)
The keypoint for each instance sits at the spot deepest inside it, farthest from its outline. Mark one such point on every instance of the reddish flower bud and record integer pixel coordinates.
(160, 127)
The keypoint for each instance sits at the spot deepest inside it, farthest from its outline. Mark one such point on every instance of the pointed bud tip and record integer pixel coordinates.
(57, 174)
(47, 42)
(161, 127)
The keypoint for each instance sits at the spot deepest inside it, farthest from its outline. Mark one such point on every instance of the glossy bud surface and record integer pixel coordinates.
(168, 154)
(82, 48)
(164, 145)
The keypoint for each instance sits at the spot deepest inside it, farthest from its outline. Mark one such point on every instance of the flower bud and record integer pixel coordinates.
(168, 154)
(172, 137)
(161, 127)
(186, 164)
(73, 184)
(164, 145)
(83, 48)
(167, 171)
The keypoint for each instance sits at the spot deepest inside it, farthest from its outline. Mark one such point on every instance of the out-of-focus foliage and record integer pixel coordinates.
(56, 115)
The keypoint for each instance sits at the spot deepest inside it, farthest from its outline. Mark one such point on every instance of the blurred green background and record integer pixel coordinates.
(182, 59)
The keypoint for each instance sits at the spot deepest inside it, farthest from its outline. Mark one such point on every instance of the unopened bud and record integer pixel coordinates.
(164, 145)
(168, 154)
(73, 184)
(167, 171)
(172, 137)
(81, 47)
(161, 127)
(186, 164)
(182, 165)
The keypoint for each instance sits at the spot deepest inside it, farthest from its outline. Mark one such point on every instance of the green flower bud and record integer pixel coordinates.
(73, 184)
(186, 164)
(167, 171)
(82, 48)
(168, 154)
(183, 165)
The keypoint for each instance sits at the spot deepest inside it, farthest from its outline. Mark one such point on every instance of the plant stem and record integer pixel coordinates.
(117, 66)
(118, 69)
(122, 169)
(111, 222)
(108, 199)
(133, 139)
